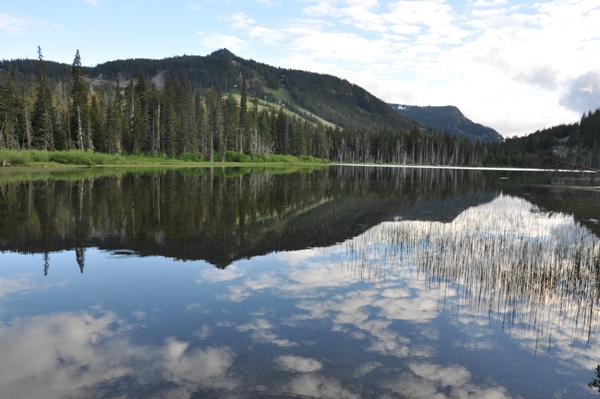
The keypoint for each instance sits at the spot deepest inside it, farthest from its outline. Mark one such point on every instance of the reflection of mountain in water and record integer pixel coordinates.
(445, 210)
(202, 214)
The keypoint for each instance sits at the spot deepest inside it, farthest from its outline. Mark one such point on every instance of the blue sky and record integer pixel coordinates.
(513, 65)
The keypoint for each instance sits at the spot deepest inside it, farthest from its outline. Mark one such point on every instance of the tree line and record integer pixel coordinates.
(576, 143)
(182, 120)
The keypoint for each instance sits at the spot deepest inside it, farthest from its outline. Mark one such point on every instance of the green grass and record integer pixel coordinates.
(85, 158)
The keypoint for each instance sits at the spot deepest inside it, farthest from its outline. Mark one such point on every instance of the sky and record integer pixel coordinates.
(514, 65)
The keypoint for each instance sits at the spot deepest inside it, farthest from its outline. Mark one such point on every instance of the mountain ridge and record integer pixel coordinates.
(330, 98)
(449, 118)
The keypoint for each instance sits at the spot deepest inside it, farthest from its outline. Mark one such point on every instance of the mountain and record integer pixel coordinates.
(314, 96)
(449, 118)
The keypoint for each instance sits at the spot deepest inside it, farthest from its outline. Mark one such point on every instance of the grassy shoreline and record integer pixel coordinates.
(45, 160)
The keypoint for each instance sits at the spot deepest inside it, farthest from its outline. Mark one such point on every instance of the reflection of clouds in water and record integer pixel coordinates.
(44, 355)
(214, 275)
(295, 258)
(17, 284)
(204, 332)
(192, 306)
(510, 262)
(298, 364)
(263, 281)
(190, 369)
(262, 332)
(352, 309)
(317, 275)
(366, 368)
(561, 347)
(237, 293)
(429, 381)
(316, 386)
(73, 354)
(428, 267)
(302, 281)
(139, 314)
(421, 309)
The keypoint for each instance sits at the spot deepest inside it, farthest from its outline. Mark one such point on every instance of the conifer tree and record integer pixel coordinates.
(42, 123)
(10, 115)
(214, 113)
(231, 123)
(169, 120)
(199, 123)
(143, 128)
(114, 122)
(243, 111)
(282, 132)
(98, 135)
(79, 104)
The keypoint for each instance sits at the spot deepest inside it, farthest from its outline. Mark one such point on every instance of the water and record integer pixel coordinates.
(347, 282)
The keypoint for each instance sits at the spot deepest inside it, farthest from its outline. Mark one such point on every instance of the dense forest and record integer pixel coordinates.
(184, 119)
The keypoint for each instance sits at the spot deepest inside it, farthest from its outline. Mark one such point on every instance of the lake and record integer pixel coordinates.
(342, 282)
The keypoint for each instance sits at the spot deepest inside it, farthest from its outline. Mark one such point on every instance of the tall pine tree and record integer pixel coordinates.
(79, 106)
(42, 120)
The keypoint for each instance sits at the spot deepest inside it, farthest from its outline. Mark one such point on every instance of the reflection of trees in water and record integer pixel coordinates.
(536, 270)
(187, 214)
(595, 383)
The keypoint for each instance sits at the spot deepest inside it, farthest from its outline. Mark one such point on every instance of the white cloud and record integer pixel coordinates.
(193, 6)
(341, 47)
(266, 35)
(12, 25)
(582, 93)
(240, 20)
(545, 77)
(218, 41)
(491, 3)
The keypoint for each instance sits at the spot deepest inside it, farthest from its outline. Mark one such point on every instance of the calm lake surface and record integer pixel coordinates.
(347, 282)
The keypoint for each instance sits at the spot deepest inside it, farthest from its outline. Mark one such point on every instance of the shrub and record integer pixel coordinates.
(232, 156)
(15, 157)
(191, 157)
(283, 159)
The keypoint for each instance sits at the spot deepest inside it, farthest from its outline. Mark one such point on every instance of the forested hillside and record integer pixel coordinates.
(223, 108)
(330, 98)
(449, 118)
(574, 143)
